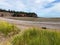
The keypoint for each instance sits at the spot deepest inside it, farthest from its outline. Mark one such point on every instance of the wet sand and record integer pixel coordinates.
(26, 24)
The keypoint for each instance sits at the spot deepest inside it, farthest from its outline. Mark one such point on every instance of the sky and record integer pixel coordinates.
(43, 8)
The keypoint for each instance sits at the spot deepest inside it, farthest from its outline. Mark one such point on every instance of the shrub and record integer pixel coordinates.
(7, 29)
(37, 37)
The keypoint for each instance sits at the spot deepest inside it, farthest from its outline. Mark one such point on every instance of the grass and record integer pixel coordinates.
(7, 29)
(37, 37)
(31, 36)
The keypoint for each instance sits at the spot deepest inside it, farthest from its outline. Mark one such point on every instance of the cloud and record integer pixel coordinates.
(49, 8)
(38, 1)
(13, 5)
(53, 11)
(44, 8)
(19, 5)
(4, 3)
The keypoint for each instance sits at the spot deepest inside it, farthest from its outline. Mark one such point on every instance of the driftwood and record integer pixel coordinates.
(44, 28)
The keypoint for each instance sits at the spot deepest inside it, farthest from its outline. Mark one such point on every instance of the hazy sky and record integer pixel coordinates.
(44, 8)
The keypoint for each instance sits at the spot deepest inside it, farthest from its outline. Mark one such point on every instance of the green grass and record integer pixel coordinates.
(8, 29)
(37, 37)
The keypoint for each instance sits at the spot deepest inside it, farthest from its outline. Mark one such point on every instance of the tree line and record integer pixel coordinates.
(20, 13)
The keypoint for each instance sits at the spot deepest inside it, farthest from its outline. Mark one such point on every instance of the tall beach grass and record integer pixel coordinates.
(7, 28)
(37, 37)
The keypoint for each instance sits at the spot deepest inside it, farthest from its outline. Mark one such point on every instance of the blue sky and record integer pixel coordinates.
(43, 8)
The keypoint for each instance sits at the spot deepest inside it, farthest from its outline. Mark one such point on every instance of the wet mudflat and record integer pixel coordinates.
(23, 24)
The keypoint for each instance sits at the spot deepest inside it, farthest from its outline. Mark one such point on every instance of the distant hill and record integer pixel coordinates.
(11, 13)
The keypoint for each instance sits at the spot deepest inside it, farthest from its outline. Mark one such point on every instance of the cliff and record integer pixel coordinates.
(5, 13)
